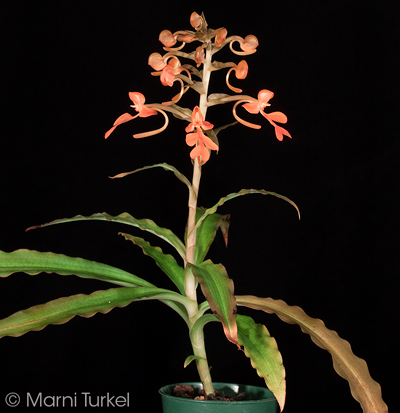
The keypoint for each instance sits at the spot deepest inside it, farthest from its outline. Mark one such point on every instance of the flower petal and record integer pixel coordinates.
(200, 150)
(252, 107)
(146, 112)
(206, 125)
(189, 128)
(279, 132)
(276, 116)
(137, 98)
(126, 117)
(192, 138)
(264, 96)
(210, 143)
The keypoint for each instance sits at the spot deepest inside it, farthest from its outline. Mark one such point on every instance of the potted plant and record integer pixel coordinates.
(192, 271)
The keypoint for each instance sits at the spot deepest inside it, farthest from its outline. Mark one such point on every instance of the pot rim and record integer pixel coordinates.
(198, 385)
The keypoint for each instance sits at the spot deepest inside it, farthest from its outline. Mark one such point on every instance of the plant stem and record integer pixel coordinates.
(197, 337)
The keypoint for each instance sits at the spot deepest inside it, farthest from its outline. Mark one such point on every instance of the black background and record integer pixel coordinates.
(67, 68)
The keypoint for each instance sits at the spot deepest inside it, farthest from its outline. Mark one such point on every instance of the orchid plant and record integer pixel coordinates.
(194, 269)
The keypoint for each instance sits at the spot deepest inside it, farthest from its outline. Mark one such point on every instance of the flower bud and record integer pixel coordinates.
(187, 38)
(242, 69)
(220, 36)
(196, 21)
(156, 61)
(199, 55)
(249, 44)
(167, 38)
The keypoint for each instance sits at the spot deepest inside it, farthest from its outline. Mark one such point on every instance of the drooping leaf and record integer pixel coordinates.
(166, 262)
(217, 287)
(211, 210)
(34, 262)
(264, 355)
(165, 166)
(61, 310)
(125, 218)
(352, 368)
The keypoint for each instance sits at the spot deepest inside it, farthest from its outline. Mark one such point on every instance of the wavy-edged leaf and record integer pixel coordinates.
(242, 192)
(63, 309)
(217, 287)
(264, 355)
(165, 166)
(352, 368)
(206, 232)
(34, 262)
(125, 218)
(166, 262)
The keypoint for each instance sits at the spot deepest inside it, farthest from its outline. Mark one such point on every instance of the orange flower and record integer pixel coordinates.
(257, 106)
(143, 111)
(198, 121)
(203, 142)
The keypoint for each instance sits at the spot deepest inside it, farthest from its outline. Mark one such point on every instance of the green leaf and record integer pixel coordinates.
(264, 355)
(165, 166)
(217, 287)
(217, 130)
(34, 262)
(166, 262)
(211, 210)
(61, 310)
(189, 359)
(355, 370)
(206, 233)
(125, 218)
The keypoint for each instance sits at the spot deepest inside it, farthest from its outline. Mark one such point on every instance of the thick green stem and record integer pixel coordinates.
(199, 350)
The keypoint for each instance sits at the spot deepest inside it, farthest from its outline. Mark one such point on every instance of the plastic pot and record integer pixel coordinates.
(258, 400)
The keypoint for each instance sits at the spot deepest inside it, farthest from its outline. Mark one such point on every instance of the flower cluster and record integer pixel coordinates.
(170, 69)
